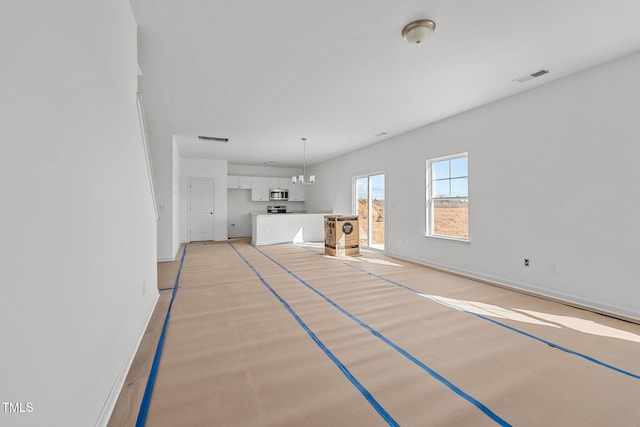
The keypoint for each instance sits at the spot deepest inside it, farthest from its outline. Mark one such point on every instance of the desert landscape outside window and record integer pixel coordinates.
(369, 205)
(448, 197)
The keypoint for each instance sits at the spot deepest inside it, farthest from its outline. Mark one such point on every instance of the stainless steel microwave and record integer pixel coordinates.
(279, 194)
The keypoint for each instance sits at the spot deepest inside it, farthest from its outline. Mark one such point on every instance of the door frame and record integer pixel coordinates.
(354, 202)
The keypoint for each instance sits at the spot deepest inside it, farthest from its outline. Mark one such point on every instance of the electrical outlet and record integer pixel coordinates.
(526, 262)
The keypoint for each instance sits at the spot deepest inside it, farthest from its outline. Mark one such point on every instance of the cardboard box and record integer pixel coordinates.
(341, 237)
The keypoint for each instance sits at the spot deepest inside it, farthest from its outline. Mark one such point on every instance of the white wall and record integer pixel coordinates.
(253, 170)
(553, 177)
(77, 223)
(204, 168)
(238, 212)
(175, 201)
(163, 154)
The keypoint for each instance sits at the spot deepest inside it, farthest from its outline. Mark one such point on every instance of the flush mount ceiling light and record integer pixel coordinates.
(302, 179)
(418, 31)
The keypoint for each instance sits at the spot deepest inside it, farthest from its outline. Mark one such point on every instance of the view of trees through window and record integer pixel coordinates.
(448, 209)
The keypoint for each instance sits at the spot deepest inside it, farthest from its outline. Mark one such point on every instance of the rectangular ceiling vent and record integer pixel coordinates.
(532, 76)
(213, 138)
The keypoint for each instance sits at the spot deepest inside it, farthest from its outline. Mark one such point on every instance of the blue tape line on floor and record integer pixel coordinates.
(148, 391)
(396, 347)
(504, 325)
(374, 403)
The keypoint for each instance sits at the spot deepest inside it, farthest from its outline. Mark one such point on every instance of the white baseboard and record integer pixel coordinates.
(571, 300)
(112, 398)
(175, 256)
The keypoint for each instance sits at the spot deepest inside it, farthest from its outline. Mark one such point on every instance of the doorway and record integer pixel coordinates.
(369, 205)
(200, 209)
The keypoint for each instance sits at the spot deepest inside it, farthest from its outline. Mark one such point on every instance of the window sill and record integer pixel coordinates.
(453, 239)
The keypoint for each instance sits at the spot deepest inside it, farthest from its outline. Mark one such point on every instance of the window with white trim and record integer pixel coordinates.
(448, 197)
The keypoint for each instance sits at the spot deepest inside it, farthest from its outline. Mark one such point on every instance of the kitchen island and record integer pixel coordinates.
(296, 227)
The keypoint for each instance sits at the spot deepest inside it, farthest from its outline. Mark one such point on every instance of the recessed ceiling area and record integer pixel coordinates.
(265, 74)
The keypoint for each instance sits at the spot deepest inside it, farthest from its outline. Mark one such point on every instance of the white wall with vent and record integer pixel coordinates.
(553, 178)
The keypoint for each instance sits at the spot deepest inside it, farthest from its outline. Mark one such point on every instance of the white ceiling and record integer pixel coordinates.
(266, 73)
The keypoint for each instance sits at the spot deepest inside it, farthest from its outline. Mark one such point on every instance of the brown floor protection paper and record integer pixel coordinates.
(235, 356)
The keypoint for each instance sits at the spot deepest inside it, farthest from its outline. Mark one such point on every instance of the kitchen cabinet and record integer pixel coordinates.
(260, 186)
(260, 189)
(245, 182)
(296, 193)
(239, 182)
(283, 228)
(274, 182)
(233, 181)
(284, 183)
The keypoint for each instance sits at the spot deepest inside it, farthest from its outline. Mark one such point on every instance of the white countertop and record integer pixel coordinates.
(293, 213)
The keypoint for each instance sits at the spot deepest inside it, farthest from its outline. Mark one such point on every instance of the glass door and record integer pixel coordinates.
(369, 205)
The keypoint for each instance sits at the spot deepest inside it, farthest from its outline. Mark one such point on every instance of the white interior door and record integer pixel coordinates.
(200, 209)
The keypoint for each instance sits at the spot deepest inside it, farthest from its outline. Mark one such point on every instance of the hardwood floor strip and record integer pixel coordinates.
(146, 399)
(127, 407)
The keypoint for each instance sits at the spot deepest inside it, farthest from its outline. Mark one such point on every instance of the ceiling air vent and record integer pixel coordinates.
(213, 138)
(533, 75)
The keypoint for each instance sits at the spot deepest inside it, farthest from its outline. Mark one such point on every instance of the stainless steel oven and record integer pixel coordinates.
(276, 209)
(279, 194)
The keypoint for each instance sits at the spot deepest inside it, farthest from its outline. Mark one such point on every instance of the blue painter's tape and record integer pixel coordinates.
(504, 325)
(396, 347)
(374, 403)
(148, 391)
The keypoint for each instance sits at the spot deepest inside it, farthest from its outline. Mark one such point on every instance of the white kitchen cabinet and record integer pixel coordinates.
(260, 186)
(233, 181)
(274, 182)
(273, 229)
(284, 183)
(296, 193)
(260, 189)
(245, 182)
(239, 182)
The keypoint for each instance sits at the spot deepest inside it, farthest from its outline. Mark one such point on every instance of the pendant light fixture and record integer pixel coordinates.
(301, 179)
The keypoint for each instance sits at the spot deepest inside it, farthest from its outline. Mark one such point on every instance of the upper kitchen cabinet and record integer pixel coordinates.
(296, 193)
(260, 186)
(284, 183)
(274, 182)
(239, 182)
(260, 189)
